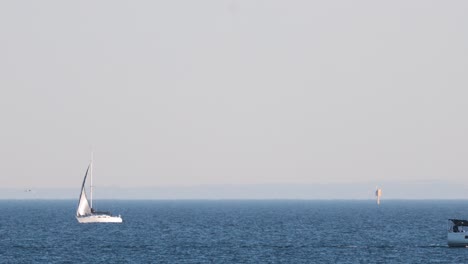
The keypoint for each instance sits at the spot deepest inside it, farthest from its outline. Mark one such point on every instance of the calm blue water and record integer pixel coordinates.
(232, 232)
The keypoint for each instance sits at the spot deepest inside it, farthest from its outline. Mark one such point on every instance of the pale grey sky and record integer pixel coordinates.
(189, 93)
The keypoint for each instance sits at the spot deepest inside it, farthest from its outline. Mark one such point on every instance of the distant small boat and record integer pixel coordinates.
(85, 212)
(457, 235)
(378, 194)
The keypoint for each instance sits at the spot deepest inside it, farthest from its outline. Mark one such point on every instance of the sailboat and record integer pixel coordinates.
(85, 212)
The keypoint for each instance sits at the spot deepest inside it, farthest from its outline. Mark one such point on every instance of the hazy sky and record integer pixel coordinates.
(233, 92)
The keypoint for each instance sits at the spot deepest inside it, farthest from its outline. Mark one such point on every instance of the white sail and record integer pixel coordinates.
(83, 206)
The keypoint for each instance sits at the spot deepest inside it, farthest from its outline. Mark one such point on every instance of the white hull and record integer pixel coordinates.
(99, 219)
(457, 239)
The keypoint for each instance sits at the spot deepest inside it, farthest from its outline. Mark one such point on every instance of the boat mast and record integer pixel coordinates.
(91, 181)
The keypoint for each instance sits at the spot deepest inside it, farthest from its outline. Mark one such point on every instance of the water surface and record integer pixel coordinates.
(232, 232)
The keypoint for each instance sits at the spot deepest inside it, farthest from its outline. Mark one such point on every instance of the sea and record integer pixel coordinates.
(232, 231)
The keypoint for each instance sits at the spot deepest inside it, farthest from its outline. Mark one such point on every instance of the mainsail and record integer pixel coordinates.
(83, 204)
